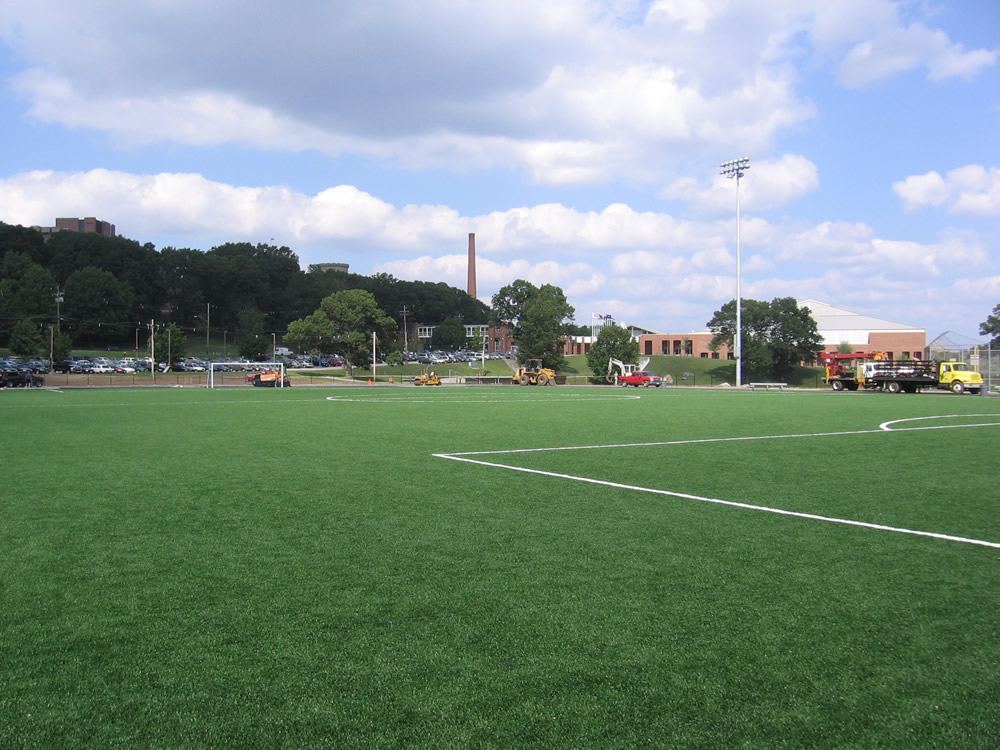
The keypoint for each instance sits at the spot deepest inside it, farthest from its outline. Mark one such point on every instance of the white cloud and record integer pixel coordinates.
(972, 190)
(573, 92)
(693, 15)
(650, 264)
(564, 91)
(895, 50)
(767, 184)
(575, 279)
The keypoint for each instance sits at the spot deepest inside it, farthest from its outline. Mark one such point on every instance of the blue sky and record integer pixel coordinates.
(579, 139)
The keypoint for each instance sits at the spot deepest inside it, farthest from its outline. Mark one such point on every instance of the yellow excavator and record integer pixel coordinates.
(532, 373)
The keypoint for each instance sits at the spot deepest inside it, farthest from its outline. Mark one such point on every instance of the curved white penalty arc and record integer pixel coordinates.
(888, 426)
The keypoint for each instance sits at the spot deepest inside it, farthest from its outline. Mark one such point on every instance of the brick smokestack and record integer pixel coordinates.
(472, 264)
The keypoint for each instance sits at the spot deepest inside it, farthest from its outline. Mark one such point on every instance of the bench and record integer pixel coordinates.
(768, 386)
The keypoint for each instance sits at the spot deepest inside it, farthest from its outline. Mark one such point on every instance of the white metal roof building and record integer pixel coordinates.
(837, 325)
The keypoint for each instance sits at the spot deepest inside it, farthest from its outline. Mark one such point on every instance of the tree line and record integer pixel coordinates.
(96, 291)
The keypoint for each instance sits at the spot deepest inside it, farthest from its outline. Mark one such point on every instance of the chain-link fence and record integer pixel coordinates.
(984, 357)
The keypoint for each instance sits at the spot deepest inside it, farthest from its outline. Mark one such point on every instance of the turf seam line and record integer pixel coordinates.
(660, 443)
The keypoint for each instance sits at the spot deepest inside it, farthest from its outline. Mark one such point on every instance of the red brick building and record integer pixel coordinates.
(836, 325)
(87, 224)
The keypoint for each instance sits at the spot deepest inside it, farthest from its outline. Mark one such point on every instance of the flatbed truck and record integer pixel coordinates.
(901, 376)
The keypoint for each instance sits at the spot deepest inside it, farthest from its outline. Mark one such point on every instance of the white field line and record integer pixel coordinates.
(406, 399)
(266, 399)
(885, 427)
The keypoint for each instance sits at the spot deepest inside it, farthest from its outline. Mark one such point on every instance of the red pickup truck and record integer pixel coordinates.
(640, 377)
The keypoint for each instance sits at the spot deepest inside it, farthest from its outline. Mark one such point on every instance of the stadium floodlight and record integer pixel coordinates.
(732, 169)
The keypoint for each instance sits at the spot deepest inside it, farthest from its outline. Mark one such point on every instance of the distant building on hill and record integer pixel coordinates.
(88, 224)
(323, 267)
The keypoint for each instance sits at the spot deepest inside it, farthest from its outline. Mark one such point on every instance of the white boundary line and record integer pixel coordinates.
(447, 399)
(883, 428)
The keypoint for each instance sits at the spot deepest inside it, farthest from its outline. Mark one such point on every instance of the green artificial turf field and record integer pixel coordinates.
(499, 567)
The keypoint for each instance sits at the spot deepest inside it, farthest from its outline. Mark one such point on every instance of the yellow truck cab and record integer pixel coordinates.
(959, 377)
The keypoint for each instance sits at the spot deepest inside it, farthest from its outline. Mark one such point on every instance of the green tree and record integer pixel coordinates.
(312, 334)
(613, 342)
(355, 315)
(97, 305)
(27, 290)
(255, 344)
(539, 319)
(61, 344)
(170, 344)
(777, 335)
(137, 267)
(449, 334)
(991, 326)
(26, 339)
(183, 272)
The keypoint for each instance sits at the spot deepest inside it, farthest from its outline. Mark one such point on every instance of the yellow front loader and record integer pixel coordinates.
(532, 373)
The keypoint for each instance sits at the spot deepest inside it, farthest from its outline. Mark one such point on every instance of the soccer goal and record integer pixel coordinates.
(257, 372)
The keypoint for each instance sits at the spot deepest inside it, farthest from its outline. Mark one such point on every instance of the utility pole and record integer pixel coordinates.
(59, 299)
(405, 340)
(152, 352)
(208, 326)
(731, 169)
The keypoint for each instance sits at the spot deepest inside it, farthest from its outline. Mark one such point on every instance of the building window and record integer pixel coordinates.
(715, 355)
(704, 355)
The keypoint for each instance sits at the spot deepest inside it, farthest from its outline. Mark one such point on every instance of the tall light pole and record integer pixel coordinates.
(730, 169)
(406, 343)
(59, 298)
(152, 352)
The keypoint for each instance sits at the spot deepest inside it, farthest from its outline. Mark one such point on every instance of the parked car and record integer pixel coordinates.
(20, 378)
(640, 377)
